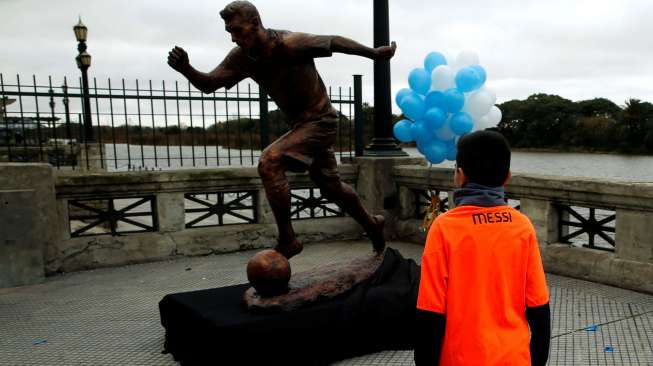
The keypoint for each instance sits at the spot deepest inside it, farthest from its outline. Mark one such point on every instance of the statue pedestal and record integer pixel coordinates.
(319, 284)
(213, 327)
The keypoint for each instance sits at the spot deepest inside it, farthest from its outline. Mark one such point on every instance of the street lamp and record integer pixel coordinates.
(84, 62)
(383, 143)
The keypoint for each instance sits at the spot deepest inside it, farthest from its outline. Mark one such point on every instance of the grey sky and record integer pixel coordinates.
(578, 49)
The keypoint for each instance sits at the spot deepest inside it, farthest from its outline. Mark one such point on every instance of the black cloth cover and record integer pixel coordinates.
(211, 327)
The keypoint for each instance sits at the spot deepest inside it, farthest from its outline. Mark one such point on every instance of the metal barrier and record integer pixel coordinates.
(150, 126)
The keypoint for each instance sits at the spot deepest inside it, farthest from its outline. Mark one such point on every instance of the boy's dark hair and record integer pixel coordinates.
(244, 9)
(484, 157)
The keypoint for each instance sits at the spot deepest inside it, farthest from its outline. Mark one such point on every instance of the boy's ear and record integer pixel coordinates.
(507, 177)
(460, 177)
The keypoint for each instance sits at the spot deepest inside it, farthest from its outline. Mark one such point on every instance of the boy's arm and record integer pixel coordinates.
(429, 336)
(539, 320)
(538, 312)
(431, 300)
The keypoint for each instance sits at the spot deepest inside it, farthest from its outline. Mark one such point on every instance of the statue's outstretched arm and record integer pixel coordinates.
(209, 82)
(351, 47)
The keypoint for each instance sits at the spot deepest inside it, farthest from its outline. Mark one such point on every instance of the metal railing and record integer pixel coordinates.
(589, 227)
(151, 126)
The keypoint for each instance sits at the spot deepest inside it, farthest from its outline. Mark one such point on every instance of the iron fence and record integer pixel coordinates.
(151, 126)
(114, 216)
(589, 227)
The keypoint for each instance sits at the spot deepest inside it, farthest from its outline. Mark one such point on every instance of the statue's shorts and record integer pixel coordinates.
(307, 146)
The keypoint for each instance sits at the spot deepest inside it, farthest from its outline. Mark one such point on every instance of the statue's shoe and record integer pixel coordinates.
(290, 250)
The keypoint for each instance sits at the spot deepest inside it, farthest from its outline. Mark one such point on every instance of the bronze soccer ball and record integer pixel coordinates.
(269, 273)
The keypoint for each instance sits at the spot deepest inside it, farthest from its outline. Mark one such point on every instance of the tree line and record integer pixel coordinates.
(233, 133)
(553, 122)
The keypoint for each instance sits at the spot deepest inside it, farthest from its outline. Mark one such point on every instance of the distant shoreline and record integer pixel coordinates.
(576, 150)
(571, 150)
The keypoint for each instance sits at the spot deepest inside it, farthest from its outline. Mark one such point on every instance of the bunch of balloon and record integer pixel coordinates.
(445, 101)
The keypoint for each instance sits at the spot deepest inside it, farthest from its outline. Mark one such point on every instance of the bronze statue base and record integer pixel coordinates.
(317, 284)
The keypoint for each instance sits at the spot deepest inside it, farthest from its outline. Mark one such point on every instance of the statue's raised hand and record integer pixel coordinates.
(178, 59)
(386, 52)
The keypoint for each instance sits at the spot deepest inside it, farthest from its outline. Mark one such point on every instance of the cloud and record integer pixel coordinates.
(578, 49)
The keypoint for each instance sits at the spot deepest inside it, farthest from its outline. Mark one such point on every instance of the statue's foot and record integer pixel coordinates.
(291, 249)
(376, 233)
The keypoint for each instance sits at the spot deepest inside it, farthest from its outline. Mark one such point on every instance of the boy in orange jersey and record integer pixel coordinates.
(482, 285)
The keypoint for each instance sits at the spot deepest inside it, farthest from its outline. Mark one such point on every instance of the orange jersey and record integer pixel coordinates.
(481, 267)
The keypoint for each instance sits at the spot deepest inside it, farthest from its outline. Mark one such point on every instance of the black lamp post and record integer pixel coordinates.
(84, 62)
(383, 143)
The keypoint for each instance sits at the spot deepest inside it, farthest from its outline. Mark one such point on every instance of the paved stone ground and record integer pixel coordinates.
(111, 317)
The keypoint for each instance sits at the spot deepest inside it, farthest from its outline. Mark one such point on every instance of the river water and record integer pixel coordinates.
(630, 168)
(601, 166)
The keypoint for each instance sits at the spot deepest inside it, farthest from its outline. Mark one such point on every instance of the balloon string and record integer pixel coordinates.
(431, 212)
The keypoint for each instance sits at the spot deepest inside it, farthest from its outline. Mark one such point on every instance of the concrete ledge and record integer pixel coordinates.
(598, 266)
(630, 267)
(21, 246)
(582, 263)
(116, 184)
(28, 226)
(564, 190)
(105, 251)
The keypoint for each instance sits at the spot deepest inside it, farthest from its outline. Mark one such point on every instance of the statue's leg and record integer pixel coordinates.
(323, 172)
(272, 170)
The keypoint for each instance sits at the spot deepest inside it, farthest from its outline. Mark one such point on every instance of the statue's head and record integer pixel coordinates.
(243, 22)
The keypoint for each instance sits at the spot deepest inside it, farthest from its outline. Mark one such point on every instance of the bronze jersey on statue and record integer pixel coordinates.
(287, 74)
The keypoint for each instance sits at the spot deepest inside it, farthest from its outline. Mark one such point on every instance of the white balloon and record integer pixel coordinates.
(445, 133)
(443, 78)
(478, 103)
(491, 92)
(494, 116)
(481, 124)
(466, 58)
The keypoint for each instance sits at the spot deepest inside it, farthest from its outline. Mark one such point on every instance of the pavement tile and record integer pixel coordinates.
(110, 316)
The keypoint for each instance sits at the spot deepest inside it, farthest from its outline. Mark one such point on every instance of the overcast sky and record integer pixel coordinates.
(574, 48)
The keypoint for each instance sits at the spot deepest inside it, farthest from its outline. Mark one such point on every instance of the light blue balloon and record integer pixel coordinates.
(467, 79)
(452, 150)
(435, 151)
(434, 118)
(433, 60)
(412, 106)
(423, 144)
(461, 123)
(420, 81)
(419, 133)
(453, 100)
(481, 73)
(401, 130)
(420, 146)
(435, 99)
(401, 94)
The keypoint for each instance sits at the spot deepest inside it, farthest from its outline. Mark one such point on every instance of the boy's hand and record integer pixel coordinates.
(178, 59)
(386, 52)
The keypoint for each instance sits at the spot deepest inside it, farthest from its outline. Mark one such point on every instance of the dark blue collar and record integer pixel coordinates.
(472, 194)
